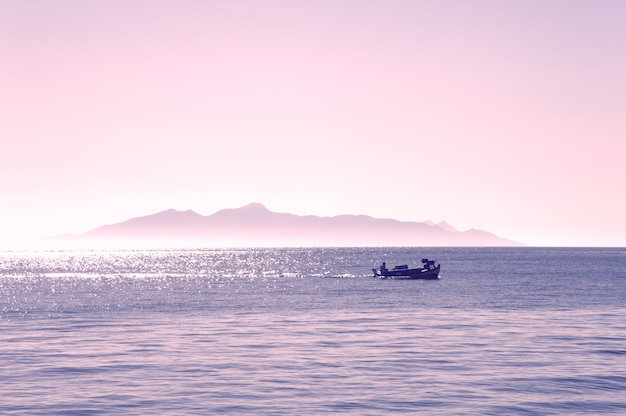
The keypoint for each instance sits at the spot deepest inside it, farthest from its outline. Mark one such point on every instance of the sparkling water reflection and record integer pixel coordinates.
(307, 331)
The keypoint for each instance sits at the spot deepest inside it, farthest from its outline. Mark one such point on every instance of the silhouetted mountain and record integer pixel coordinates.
(255, 225)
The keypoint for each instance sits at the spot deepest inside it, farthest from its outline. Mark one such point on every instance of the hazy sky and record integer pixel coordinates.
(507, 116)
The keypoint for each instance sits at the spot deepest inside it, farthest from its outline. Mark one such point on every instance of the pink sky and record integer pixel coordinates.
(507, 116)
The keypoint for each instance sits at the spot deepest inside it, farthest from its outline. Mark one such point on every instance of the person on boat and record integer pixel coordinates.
(428, 264)
(383, 268)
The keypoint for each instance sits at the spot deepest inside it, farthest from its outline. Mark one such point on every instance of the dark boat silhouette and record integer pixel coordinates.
(428, 271)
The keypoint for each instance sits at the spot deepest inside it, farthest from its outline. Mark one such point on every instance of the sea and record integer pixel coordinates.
(309, 331)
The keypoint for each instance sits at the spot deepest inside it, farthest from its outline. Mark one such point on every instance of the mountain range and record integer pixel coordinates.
(254, 225)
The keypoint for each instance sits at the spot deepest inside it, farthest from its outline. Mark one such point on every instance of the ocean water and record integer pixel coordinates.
(528, 331)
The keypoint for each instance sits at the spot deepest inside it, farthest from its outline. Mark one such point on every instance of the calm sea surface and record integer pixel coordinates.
(529, 331)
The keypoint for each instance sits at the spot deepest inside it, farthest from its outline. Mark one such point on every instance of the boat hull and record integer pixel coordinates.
(421, 273)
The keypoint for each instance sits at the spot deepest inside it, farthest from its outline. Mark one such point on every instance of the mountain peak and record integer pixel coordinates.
(247, 214)
(254, 206)
(446, 226)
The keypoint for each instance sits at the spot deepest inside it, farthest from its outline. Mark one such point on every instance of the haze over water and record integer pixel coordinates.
(308, 331)
(500, 116)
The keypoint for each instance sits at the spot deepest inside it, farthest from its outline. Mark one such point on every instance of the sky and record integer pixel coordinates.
(505, 116)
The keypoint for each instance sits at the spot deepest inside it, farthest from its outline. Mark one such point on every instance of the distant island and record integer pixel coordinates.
(254, 225)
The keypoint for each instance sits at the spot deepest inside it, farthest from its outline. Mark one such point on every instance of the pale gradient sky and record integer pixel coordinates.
(507, 116)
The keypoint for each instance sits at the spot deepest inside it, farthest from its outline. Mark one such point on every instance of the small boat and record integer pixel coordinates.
(428, 271)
